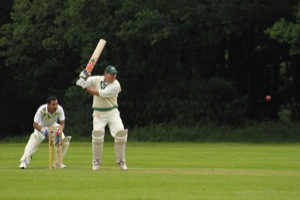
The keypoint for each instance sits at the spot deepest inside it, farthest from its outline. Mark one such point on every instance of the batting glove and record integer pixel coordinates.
(84, 74)
(81, 82)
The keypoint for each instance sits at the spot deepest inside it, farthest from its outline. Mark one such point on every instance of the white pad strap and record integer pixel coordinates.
(97, 145)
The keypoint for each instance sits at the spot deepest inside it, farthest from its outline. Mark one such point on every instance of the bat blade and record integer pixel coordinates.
(90, 66)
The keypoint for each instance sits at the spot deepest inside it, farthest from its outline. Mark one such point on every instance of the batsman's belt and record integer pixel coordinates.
(105, 109)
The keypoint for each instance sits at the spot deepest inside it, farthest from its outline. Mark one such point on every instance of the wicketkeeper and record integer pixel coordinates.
(105, 90)
(47, 115)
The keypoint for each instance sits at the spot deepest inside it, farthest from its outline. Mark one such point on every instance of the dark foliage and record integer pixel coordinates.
(185, 62)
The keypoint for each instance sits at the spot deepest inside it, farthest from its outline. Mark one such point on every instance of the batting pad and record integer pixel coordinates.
(65, 145)
(120, 145)
(121, 136)
(97, 145)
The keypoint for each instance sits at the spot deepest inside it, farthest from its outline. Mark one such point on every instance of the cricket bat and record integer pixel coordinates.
(90, 66)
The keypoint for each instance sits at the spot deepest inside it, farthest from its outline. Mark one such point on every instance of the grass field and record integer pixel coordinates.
(157, 171)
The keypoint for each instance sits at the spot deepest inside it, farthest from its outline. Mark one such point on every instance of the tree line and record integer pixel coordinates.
(184, 62)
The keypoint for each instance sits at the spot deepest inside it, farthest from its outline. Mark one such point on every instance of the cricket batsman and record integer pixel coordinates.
(47, 115)
(105, 90)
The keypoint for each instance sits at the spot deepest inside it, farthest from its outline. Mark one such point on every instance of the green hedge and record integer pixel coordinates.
(252, 132)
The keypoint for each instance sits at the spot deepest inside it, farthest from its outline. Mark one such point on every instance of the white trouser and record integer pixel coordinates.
(111, 118)
(33, 143)
(115, 124)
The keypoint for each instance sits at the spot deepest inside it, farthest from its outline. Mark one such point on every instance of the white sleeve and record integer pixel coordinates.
(112, 90)
(61, 116)
(91, 80)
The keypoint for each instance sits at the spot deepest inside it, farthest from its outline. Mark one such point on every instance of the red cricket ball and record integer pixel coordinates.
(268, 98)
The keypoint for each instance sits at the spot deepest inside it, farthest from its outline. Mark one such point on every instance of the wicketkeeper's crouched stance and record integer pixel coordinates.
(47, 115)
(105, 90)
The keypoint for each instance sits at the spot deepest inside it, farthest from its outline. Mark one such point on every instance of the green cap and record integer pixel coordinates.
(111, 70)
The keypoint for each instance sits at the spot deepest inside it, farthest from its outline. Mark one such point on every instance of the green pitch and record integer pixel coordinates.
(157, 171)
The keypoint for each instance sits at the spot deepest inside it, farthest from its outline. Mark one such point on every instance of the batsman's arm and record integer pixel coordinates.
(92, 91)
(106, 93)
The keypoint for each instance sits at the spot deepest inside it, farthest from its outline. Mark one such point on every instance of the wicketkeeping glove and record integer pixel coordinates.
(45, 131)
(58, 136)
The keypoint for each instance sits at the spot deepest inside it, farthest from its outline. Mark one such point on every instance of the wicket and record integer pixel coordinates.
(53, 136)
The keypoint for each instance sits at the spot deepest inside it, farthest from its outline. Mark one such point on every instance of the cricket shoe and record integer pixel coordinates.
(63, 166)
(96, 165)
(122, 165)
(23, 164)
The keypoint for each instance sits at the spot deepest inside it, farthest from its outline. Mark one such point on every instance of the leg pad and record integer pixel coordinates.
(121, 136)
(120, 145)
(97, 145)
